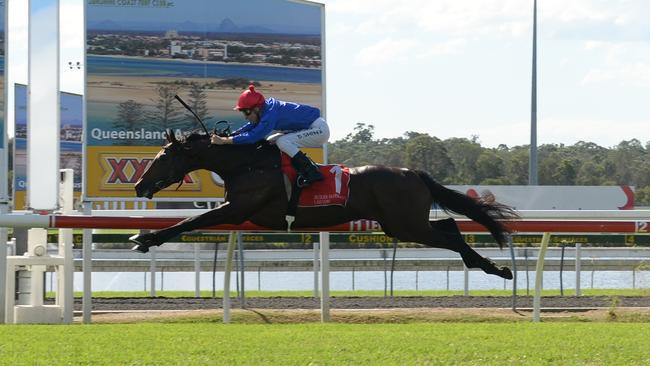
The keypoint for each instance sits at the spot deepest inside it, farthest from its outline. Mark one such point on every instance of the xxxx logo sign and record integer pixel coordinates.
(121, 174)
(122, 170)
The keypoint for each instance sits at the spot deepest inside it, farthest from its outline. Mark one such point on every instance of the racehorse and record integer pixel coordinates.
(398, 199)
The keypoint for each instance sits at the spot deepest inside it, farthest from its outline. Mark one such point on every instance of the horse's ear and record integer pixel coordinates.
(171, 136)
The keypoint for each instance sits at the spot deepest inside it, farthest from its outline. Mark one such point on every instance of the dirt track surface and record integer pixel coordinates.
(160, 303)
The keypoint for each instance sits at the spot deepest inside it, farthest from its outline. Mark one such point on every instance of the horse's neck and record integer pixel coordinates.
(233, 160)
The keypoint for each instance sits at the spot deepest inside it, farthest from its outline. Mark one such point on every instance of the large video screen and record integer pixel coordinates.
(70, 141)
(141, 54)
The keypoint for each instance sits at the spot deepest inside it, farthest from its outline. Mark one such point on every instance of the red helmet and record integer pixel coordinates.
(249, 99)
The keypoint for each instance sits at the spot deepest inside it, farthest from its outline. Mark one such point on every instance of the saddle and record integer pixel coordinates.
(331, 191)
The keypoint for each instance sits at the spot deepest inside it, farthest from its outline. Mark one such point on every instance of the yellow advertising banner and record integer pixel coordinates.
(112, 171)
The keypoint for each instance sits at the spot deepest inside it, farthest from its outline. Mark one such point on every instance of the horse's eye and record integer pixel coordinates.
(163, 157)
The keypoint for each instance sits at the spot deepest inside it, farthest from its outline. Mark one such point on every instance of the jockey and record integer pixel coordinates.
(289, 125)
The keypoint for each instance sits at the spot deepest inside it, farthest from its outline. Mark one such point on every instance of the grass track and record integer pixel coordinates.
(207, 343)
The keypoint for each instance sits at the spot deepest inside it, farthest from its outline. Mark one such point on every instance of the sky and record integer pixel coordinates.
(462, 68)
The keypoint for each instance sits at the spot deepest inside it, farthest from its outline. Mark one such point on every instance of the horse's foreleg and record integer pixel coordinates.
(226, 213)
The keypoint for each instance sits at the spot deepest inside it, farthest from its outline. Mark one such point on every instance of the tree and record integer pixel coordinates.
(642, 196)
(167, 113)
(429, 154)
(565, 174)
(465, 161)
(517, 165)
(390, 152)
(362, 133)
(490, 167)
(590, 174)
(464, 155)
(130, 116)
(197, 101)
(622, 160)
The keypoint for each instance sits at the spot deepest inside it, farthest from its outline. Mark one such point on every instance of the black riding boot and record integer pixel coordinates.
(308, 172)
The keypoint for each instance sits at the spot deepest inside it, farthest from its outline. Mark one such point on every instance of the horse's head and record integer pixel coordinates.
(171, 164)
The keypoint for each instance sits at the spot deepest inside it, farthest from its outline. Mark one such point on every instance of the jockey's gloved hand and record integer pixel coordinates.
(224, 132)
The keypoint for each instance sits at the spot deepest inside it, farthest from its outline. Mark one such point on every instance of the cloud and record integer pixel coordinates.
(595, 45)
(595, 76)
(385, 51)
(588, 49)
(340, 29)
(450, 47)
(626, 63)
(576, 19)
(633, 74)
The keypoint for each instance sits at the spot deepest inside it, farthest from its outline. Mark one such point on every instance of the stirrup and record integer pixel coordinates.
(302, 181)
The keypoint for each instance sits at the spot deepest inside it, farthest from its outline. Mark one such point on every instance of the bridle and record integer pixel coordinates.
(172, 175)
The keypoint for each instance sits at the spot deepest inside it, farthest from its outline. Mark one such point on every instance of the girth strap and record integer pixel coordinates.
(292, 207)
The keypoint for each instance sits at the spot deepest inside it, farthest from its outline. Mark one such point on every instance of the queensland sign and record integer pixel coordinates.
(141, 54)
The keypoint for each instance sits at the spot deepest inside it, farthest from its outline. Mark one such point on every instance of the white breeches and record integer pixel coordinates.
(315, 136)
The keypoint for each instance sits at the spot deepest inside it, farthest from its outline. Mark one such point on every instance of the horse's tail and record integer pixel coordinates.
(485, 213)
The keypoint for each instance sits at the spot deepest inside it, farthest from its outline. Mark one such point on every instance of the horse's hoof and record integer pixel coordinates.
(505, 272)
(140, 245)
(140, 248)
(136, 238)
(490, 267)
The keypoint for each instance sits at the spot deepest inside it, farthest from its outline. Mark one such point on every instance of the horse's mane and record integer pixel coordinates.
(198, 136)
(194, 136)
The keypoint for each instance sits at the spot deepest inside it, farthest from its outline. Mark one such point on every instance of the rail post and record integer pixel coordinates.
(392, 268)
(152, 271)
(539, 276)
(316, 268)
(3, 262)
(578, 268)
(226, 277)
(65, 280)
(465, 280)
(513, 260)
(197, 271)
(325, 276)
(87, 267)
(242, 268)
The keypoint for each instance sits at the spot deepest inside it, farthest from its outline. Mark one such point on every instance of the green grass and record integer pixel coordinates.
(327, 344)
(585, 292)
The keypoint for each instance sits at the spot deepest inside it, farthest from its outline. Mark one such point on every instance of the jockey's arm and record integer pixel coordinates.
(258, 132)
(245, 128)
(218, 140)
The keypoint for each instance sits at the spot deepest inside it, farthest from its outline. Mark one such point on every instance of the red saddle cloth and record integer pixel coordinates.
(333, 190)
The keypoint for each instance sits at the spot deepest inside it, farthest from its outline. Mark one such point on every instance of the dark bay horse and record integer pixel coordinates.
(399, 199)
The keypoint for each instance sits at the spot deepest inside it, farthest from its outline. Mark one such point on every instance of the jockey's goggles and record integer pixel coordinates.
(246, 112)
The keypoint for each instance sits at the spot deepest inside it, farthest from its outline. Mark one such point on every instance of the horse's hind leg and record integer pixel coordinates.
(402, 204)
(445, 234)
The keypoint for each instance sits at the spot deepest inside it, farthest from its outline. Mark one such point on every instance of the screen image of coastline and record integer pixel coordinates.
(70, 147)
(205, 51)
